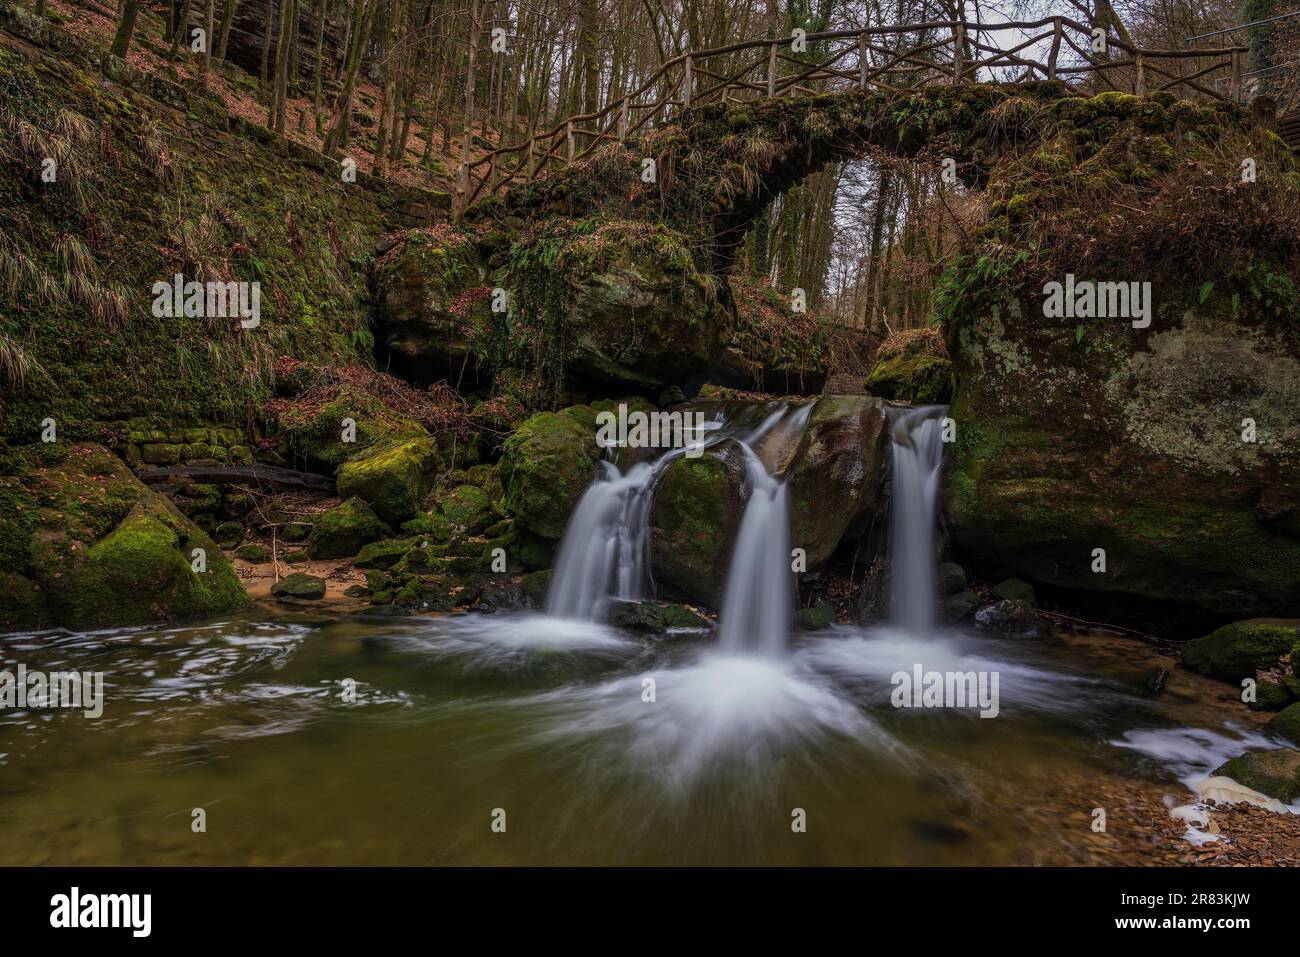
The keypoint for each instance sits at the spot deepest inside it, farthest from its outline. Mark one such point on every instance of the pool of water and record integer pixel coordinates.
(586, 745)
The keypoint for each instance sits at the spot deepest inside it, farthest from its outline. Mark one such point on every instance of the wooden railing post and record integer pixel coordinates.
(1056, 48)
(862, 60)
(771, 70)
(568, 133)
(958, 42)
(1140, 77)
(687, 82)
(1235, 90)
(622, 120)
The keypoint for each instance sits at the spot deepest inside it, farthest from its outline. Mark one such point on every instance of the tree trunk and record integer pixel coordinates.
(125, 30)
(279, 101)
(363, 17)
(223, 32)
(208, 25)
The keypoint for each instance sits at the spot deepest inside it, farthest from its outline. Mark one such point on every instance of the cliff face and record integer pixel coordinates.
(1166, 436)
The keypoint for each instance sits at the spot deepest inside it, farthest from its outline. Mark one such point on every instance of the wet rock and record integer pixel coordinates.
(299, 585)
(652, 616)
(1286, 723)
(228, 534)
(345, 530)
(1013, 589)
(467, 508)
(1275, 773)
(815, 617)
(1239, 650)
(836, 474)
(697, 512)
(535, 586)
(1011, 618)
(960, 606)
(952, 579)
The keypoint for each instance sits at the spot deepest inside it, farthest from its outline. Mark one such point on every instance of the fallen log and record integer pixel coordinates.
(238, 475)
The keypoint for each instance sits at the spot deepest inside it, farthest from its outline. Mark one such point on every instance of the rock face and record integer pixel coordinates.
(837, 473)
(1275, 773)
(1012, 618)
(1238, 650)
(913, 366)
(431, 296)
(86, 544)
(1286, 723)
(697, 514)
(1134, 446)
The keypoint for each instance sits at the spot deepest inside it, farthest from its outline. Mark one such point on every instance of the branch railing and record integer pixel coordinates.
(957, 54)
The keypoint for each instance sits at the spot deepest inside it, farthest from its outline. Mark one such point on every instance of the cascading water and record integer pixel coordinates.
(917, 456)
(605, 552)
(757, 603)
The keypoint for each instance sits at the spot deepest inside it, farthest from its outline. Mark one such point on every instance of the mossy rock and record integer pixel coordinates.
(257, 554)
(24, 603)
(912, 366)
(299, 585)
(345, 530)
(296, 557)
(697, 512)
(1271, 696)
(391, 476)
(468, 508)
(383, 554)
(1286, 723)
(816, 617)
(1238, 650)
(100, 548)
(1275, 773)
(1013, 589)
(536, 584)
(546, 466)
(655, 616)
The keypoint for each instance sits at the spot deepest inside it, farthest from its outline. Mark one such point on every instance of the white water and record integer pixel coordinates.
(605, 552)
(917, 463)
(757, 604)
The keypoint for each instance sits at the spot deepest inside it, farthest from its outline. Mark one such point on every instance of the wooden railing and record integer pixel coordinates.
(853, 59)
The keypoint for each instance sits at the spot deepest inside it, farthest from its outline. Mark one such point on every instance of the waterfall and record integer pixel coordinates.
(606, 548)
(757, 603)
(605, 552)
(917, 456)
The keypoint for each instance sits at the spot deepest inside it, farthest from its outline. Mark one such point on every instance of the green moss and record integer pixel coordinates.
(547, 464)
(1274, 773)
(1238, 650)
(344, 530)
(391, 476)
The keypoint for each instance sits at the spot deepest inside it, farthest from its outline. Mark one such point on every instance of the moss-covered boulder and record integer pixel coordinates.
(345, 529)
(697, 512)
(816, 617)
(1286, 723)
(913, 366)
(299, 585)
(84, 544)
(1275, 773)
(383, 554)
(836, 474)
(391, 476)
(468, 509)
(547, 464)
(432, 300)
(1238, 650)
